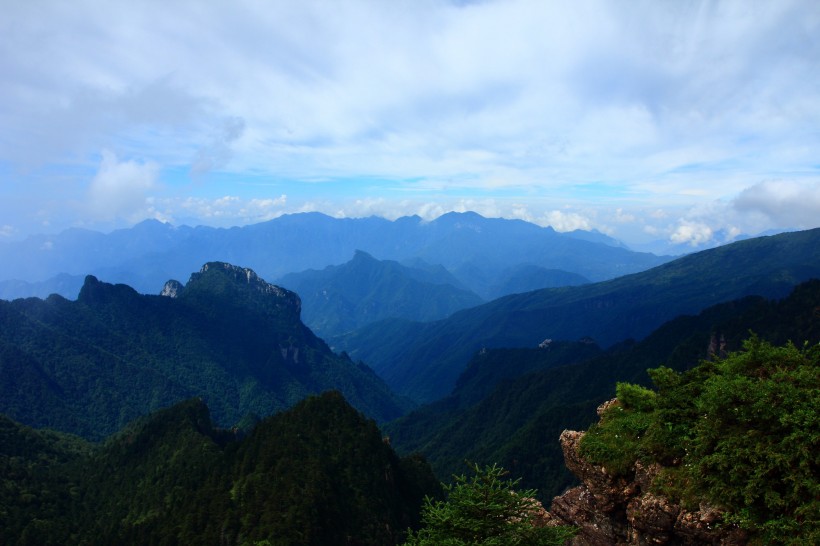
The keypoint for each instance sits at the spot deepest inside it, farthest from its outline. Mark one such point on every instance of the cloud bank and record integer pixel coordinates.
(589, 114)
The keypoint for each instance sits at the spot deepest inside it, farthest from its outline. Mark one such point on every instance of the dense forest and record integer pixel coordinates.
(323, 473)
(739, 433)
(424, 360)
(319, 473)
(92, 365)
(511, 405)
(232, 465)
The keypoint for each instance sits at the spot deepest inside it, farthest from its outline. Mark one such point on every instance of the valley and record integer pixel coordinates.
(433, 372)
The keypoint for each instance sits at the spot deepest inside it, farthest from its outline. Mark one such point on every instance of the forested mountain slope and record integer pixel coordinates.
(724, 453)
(341, 298)
(518, 423)
(423, 360)
(91, 365)
(319, 473)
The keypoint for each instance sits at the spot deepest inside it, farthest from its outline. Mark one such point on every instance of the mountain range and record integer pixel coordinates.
(480, 252)
(510, 405)
(92, 365)
(422, 360)
(499, 381)
(345, 297)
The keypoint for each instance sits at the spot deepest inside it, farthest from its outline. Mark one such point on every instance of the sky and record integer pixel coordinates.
(684, 121)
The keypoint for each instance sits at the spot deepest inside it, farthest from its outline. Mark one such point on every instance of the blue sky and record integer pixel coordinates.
(689, 122)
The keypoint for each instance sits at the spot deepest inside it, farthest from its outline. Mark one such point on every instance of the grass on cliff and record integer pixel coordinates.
(739, 432)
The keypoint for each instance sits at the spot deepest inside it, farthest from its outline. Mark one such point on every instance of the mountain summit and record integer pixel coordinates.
(479, 251)
(341, 298)
(90, 366)
(233, 286)
(425, 359)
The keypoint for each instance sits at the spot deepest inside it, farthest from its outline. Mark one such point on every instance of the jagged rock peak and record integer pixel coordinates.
(244, 276)
(171, 289)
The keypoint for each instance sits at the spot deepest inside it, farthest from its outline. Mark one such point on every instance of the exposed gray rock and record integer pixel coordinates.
(624, 510)
(171, 289)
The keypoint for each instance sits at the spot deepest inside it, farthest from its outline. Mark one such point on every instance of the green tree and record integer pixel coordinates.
(486, 510)
(739, 432)
(755, 447)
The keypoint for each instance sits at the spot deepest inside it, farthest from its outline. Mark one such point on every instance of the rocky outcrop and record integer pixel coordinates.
(245, 276)
(171, 289)
(624, 510)
(220, 278)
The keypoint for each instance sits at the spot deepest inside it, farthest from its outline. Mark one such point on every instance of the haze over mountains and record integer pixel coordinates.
(508, 405)
(482, 253)
(92, 365)
(423, 360)
(341, 298)
(499, 379)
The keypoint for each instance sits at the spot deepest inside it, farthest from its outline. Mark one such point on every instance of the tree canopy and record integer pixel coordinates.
(486, 510)
(739, 432)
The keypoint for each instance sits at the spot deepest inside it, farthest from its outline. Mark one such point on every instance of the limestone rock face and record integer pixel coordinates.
(171, 289)
(234, 283)
(623, 510)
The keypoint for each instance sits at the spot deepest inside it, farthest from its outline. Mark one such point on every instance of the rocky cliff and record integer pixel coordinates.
(624, 510)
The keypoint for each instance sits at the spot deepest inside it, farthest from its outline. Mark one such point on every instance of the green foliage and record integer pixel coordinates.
(635, 397)
(423, 361)
(317, 474)
(756, 448)
(341, 298)
(486, 510)
(741, 433)
(93, 365)
(616, 441)
(323, 472)
(516, 420)
(39, 493)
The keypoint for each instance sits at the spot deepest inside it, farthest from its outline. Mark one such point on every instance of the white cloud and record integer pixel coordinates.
(691, 233)
(121, 188)
(789, 203)
(217, 153)
(230, 210)
(624, 217)
(477, 104)
(567, 221)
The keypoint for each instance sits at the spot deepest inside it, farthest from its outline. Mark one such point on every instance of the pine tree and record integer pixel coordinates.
(486, 510)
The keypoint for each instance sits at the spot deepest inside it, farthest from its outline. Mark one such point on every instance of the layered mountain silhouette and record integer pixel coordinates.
(511, 405)
(341, 298)
(479, 251)
(91, 365)
(423, 360)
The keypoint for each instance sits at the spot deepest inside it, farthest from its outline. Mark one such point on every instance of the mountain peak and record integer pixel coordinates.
(361, 255)
(236, 284)
(172, 289)
(95, 291)
(240, 275)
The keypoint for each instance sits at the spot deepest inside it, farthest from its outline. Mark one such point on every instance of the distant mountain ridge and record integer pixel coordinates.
(510, 405)
(423, 360)
(341, 298)
(475, 249)
(91, 365)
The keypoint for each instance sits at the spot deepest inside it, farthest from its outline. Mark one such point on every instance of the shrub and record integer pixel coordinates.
(740, 433)
(485, 510)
